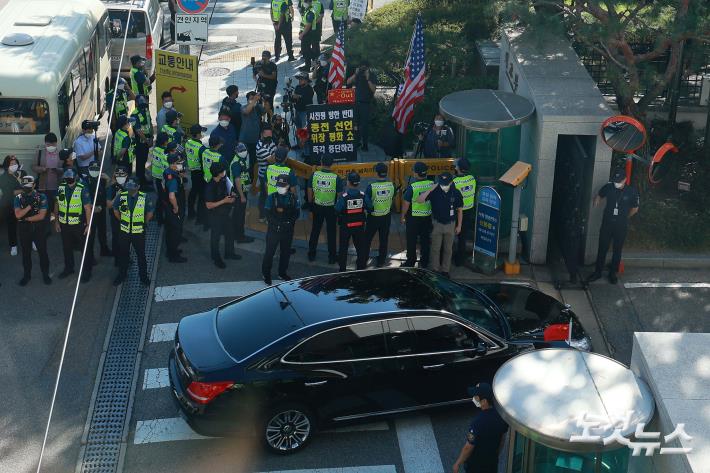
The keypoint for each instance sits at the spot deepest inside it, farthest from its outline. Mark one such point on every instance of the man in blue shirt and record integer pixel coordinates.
(30, 211)
(282, 208)
(351, 211)
(234, 107)
(251, 126)
(227, 133)
(174, 205)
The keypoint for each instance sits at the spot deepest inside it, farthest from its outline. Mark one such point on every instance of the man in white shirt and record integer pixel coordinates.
(160, 119)
(86, 146)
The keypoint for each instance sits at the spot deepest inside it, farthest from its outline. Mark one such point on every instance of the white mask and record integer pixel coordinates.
(168, 105)
(445, 188)
(13, 167)
(477, 403)
(224, 123)
(324, 63)
(439, 122)
(243, 154)
(94, 173)
(282, 190)
(51, 149)
(89, 133)
(178, 167)
(619, 185)
(121, 180)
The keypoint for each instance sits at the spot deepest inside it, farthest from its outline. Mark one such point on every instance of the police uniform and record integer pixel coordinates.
(122, 141)
(275, 170)
(219, 220)
(418, 223)
(134, 213)
(72, 223)
(173, 221)
(239, 169)
(310, 39)
(281, 8)
(29, 232)
(140, 84)
(339, 14)
(142, 144)
(194, 150)
(484, 433)
(326, 185)
(378, 197)
(466, 184)
(157, 168)
(351, 210)
(97, 187)
(282, 213)
(112, 192)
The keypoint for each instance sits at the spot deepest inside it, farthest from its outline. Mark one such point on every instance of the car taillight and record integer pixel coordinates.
(204, 393)
(149, 47)
(556, 332)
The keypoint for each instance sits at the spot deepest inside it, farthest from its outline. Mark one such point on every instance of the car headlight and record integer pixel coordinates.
(583, 344)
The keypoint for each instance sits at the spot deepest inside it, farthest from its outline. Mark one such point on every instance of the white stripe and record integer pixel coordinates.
(243, 26)
(163, 332)
(236, 16)
(370, 427)
(234, 6)
(417, 444)
(670, 285)
(345, 469)
(207, 290)
(164, 430)
(154, 378)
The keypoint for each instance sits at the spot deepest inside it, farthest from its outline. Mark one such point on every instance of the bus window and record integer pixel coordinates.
(63, 104)
(23, 116)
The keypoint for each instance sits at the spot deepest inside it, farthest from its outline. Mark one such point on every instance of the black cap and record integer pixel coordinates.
(94, 166)
(420, 167)
(327, 160)
(122, 121)
(172, 115)
(64, 154)
(121, 171)
(197, 128)
(619, 176)
(173, 158)
(463, 164)
(137, 58)
(27, 180)
(482, 390)
(162, 138)
(215, 140)
(445, 178)
(141, 100)
(353, 178)
(266, 52)
(281, 154)
(282, 181)
(70, 173)
(381, 169)
(171, 146)
(216, 168)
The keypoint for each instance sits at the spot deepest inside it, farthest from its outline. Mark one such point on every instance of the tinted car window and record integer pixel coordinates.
(356, 341)
(437, 334)
(118, 20)
(400, 338)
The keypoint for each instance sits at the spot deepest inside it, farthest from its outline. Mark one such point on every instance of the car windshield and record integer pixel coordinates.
(465, 302)
(24, 116)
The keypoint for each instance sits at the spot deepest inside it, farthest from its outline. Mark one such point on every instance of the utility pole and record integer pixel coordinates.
(674, 90)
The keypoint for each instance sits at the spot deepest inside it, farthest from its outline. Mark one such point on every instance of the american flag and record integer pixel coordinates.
(336, 75)
(412, 92)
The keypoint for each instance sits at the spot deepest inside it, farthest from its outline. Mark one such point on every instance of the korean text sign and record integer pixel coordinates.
(487, 222)
(177, 73)
(332, 131)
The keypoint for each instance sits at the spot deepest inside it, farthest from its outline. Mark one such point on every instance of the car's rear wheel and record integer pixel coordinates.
(288, 428)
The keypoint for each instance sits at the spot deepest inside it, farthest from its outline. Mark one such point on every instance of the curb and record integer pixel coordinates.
(667, 262)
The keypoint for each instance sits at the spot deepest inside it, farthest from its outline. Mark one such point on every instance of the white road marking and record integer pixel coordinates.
(207, 290)
(346, 469)
(154, 378)
(669, 285)
(370, 427)
(163, 332)
(235, 16)
(242, 26)
(417, 445)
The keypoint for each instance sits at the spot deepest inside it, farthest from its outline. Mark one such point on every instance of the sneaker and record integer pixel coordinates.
(594, 276)
(245, 239)
(23, 282)
(34, 247)
(219, 263)
(47, 280)
(613, 279)
(118, 281)
(13, 251)
(285, 277)
(145, 280)
(267, 280)
(311, 256)
(233, 256)
(64, 274)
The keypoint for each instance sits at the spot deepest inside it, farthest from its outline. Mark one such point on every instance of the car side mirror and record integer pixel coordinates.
(481, 349)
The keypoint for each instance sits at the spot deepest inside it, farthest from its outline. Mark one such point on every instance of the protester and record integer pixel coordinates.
(86, 145)
(265, 73)
(234, 107)
(251, 126)
(265, 155)
(303, 97)
(219, 201)
(439, 140)
(225, 131)
(365, 83)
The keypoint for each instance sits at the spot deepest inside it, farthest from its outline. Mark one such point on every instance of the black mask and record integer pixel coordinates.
(27, 190)
(70, 182)
(266, 139)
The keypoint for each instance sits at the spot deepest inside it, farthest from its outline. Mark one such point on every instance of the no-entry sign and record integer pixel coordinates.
(193, 6)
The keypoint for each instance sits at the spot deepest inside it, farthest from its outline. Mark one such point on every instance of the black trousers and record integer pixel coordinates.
(36, 232)
(308, 46)
(137, 241)
(466, 234)
(362, 109)
(196, 197)
(285, 33)
(321, 213)
(611, 234)
(98, 228)
(73, 237)
(418, 230)
(173, 232)
(11, 226)
(251, 149)
(262, 197)
(239, 215)
(160, 198)
(281, 239)
(379, 225)
(141, 151)
(221, 224)
(115, 238)
(359, 238)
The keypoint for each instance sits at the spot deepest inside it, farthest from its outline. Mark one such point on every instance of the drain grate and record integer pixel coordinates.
(108, 418)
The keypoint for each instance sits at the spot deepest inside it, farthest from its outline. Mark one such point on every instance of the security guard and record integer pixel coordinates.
(157, 168)
(282, 210)
(72, 212)
(239, 174)
(339, 14)
(378, 197)
(277, 169)
(143, 137)
(219, 202)
(281, 17)
(322, 189)
(120, 175)
(417, 217)
(466, 184)
(96, 182)
(172, 126)
(351, 208)
(31, 211)
(308, 34)
(622, 203)
(133, 209)
(123, 146)
(140, 83)
(194, 150)
(174, 204)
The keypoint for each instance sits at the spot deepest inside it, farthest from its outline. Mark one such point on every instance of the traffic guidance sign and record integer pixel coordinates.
(178, 74)
(191, 29)
(193, 6)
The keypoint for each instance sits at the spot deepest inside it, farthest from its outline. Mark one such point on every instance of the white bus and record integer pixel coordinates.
(55, 71)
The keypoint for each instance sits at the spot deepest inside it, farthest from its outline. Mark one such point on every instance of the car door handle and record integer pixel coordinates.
(433, 367)
(316, 383)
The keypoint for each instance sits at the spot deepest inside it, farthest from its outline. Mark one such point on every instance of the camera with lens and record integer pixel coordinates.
(287, 99)
(420, 128)
(91, 124)
(261, 90)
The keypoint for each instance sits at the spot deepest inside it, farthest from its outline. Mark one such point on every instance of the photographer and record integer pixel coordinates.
(365, 85)
(86, 145)
(439, 139)
(302, 96)
(235, 108)
(264, 73)
(251, 126)
(320, 75)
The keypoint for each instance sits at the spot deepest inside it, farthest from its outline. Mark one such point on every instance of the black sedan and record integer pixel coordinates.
(334, 348)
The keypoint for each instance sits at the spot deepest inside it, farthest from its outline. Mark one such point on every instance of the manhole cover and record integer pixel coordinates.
(215, 71)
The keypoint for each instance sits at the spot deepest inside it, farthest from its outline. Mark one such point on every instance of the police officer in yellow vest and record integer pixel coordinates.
(466, 184)
(282, 17)
(172, 126)
(308, 34)
(194, 149)
(122, 94)
(417, 217)
(133, 209)
(339, 14)
(277, 169)
(239, 175)
(140, 83)
(72, 211)
(322, 189)
(157, 168)
(142, 137)
(378, 197)
(318, 9)
(123, 146)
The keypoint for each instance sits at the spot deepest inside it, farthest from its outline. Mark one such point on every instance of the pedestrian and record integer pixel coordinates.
(308, 33)
(225, 131)
(140, 83)
(251, 126)
(622, 203)
(339, 14)
(322, 190)
(241, 180)
(97, 183)
(234, 107)
(465, 182)
(417, 217)
(365, 84)
(379, 196)
(72, 212)
(278, 168)
(167, 100)
(303, 97)
(446, 214)
(283, 210)
(439, 139)
(86, 145)
(320, 75)
(265, 76)
(30, 209)
(172, 126)
(48, 168)
(265, 155)
(282, 18)
(194, 150)
(174, 204)
(351, 211)
(219, 201)
(280, 130)
(123, 145)
(120, 175)
(143, 137)
(10, 186)
(133, 210)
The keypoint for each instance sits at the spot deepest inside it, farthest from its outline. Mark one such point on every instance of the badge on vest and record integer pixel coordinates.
(322, 183)
(383, 193)
(355, 204)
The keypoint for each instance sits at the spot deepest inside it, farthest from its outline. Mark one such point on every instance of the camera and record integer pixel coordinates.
(420, 128)
(90, 124)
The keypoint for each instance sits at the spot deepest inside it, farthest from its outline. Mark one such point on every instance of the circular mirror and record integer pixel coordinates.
(659, 168)
(623, 133)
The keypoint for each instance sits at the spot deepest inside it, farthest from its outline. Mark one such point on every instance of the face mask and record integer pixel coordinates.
(243, 154)
(324, 63)
(94, 174)
(168, 105)
(70, 182)
(51, 149)
(476, 403)
(266, 139)
(224, 123)
(445, 188)
(439, 122)
(121, 180)
(141, 64)
(178, 167)
(619, 185)
(89, 133)
(282, 190)
(27, 189)
(13, 167)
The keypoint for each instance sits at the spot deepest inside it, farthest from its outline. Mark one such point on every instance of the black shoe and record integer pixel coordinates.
(119, 279)
(612, 278)
(406, 264)
(23, 282)
(47, 280)
(446, 275)
(106, 251)
(285, 277)
(178, 259)
(267, 280)
(65, 273)
(291, 58)
(311, 256)
(219, 263)
(245, 239)
(277, 57)
(332, 260)
(85, 277)
(233, 256)
(594, 276)
(145, 280)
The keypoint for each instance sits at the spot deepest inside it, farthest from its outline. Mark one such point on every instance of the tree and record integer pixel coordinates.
(614, 27)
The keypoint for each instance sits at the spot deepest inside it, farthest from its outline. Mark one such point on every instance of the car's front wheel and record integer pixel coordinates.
(288, 428)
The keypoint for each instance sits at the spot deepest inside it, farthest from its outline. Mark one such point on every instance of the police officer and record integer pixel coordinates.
(483, 439)
(322, 189)
(378, 197)
(417, 217)
(31, 212)
(157, 168)
(278, 168)
(351, 208)
(123, 146)
(174, 204)
(465, 182)
(241, 180)
(339, 14)
(143, 137)
(282, 211)
(120, 175)
(72, 212)
(97, 183)
(140, 83)
(308, 34)
(133, 210)
(281, 17)
(622, 203)
(172, 126)
(321, 78)
(122, 95)
(319, 10)
(194, 150)
(219, 202)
